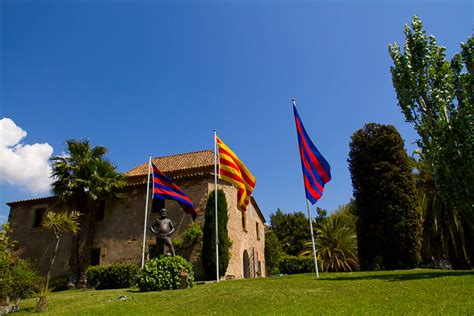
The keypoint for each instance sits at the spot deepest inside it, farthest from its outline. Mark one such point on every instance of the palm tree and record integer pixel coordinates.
(336, 244)
(58, 223)
(82, 178)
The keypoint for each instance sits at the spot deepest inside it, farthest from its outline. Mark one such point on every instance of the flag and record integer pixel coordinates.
(316, 170)
(233, 170)
(164, 188)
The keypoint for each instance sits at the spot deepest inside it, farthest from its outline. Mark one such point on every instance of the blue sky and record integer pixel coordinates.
(156, 77)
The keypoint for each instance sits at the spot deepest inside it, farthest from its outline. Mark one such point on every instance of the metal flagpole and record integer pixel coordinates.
(146, 212)
(215, 194)
(312, 238)
(310, 224)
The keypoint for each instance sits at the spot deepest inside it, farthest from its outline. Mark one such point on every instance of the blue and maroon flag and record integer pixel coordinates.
(165, 189)
(316, 170)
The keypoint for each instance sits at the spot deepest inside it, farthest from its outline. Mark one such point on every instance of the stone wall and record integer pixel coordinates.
(119, 235)
(244, 239)
(33, 242)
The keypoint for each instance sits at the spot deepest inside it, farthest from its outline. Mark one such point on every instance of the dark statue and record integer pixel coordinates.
(163, 228)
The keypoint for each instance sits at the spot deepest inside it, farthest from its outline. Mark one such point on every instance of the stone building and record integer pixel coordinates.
(119, 222)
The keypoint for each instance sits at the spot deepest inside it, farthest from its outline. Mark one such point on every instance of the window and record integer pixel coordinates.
(257, 228)
(244, 222)
(95, 256)
(99, 216)
(39, 215)
(157, 205)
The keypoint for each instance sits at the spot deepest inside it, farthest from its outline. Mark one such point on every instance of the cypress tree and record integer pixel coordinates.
(209, 238)
(389, 222)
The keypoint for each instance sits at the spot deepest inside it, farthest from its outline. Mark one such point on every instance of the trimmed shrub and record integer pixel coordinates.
(389, 217)
(115, 276)
(165, 274)
(295, 265)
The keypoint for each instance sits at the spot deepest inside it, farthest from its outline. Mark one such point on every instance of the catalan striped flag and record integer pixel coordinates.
(233, 170)
(164, 188)
(316, 170)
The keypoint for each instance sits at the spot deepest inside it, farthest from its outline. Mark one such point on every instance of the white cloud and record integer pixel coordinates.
(23, 165)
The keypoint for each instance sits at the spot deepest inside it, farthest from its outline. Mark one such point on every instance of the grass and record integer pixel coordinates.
(426, 292)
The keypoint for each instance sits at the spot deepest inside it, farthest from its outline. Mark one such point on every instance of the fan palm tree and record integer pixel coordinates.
(82, 178)
(336, 245)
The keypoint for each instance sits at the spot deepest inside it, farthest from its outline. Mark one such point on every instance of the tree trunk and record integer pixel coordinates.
(74, 260)
(86, 255)
(455, 243)
(53, 258)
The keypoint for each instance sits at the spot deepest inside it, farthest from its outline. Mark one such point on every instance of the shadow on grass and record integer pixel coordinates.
(400, 276)
(134, 290)
(27, 309)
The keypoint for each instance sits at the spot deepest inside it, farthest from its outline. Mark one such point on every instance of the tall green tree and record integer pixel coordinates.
(389, 221)
(291, 229)
(208, 256)
(273, 252)
(443, 235)
(81, 179)
(348, 214)
(436, 95)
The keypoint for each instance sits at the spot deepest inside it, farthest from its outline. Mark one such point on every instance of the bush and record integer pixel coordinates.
(59, 283)
(115, 276)
(295, 265)
(17, 277)
(25, 279)
(165, 274)
(192, 232)
(189, 237)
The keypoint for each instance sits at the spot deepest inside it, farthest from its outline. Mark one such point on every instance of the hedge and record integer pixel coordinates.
(115, 276)
(294, 265)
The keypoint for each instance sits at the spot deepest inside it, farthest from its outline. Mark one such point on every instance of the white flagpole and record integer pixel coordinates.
(215, 194)
(146, 212)
(312, 238)
(310, 225)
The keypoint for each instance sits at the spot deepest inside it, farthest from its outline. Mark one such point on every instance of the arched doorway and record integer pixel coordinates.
(246, 264)
(249, 263)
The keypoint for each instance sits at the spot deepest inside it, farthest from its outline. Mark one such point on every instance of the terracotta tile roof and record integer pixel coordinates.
(33, 200)
(181, 164)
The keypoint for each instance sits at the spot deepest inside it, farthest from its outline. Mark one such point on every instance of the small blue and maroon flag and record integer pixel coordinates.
(164, 188)
(316, 170)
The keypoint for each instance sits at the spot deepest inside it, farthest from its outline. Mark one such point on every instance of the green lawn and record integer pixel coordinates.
(424, 292)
